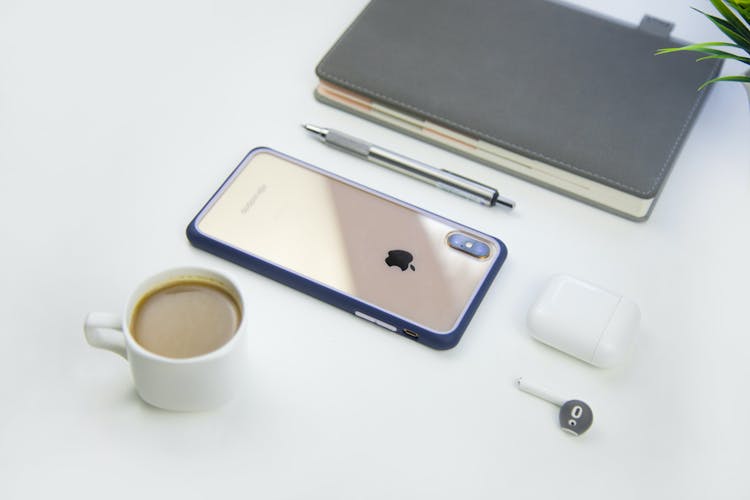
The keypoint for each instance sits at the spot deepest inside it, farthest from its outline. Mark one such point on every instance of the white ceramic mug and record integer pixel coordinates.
(182, 384)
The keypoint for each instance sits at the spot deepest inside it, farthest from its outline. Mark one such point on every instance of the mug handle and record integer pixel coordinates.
(99, 328)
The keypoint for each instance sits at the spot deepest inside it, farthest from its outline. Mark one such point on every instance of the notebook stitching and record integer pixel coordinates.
(656, 181)
(683, 130)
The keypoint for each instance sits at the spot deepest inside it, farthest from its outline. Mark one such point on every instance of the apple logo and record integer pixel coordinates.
(400, 258)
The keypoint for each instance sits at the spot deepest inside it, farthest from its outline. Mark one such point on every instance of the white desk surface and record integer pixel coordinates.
(119, 120)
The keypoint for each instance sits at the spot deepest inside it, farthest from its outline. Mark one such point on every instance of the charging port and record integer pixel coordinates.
(411, 334)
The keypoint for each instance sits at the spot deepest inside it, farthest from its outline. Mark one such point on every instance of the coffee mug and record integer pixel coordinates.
(183, 334)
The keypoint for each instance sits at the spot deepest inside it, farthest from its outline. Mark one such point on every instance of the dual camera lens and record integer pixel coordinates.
(469, 245)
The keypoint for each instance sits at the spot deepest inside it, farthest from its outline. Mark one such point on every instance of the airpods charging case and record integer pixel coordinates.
(585, 321)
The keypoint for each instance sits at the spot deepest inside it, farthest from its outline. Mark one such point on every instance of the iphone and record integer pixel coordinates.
(395, 265)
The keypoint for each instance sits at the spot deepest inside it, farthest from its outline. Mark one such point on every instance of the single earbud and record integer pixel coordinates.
(575, 416)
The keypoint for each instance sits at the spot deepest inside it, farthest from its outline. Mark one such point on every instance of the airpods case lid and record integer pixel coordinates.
(585, 321)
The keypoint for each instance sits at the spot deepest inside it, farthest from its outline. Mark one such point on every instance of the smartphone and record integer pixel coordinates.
(388, 262)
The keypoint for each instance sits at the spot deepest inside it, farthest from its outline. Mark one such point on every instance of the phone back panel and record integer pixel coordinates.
(342, 237)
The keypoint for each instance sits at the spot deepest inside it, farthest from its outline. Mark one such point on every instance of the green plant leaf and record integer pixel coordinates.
(729, 30)
(728, 55)
(726, 28)
(745, 60)
(697, 47)
(738, 31)
(702, 50)
(730, 18)
(743, 7)
(745, 79)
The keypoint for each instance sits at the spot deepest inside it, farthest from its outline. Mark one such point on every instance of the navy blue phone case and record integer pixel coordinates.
(436, 340)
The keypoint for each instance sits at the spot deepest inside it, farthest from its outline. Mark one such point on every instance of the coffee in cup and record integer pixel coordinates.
(183, 334)
(186, 317)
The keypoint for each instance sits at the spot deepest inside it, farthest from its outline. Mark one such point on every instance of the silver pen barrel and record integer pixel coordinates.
(347, 143)
(442, 179)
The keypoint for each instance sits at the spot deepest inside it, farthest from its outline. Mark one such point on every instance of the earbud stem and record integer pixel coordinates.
(539, 392)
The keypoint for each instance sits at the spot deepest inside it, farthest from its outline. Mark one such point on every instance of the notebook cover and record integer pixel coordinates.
(562, 86)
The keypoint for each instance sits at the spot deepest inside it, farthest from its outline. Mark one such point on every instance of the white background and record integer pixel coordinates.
(118, 120)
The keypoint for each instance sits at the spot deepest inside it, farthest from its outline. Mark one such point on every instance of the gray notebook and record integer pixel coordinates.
(567, 99)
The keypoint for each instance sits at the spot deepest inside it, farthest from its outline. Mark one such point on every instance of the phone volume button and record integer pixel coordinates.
(365, 317)
(386, 325)
(376, 321)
